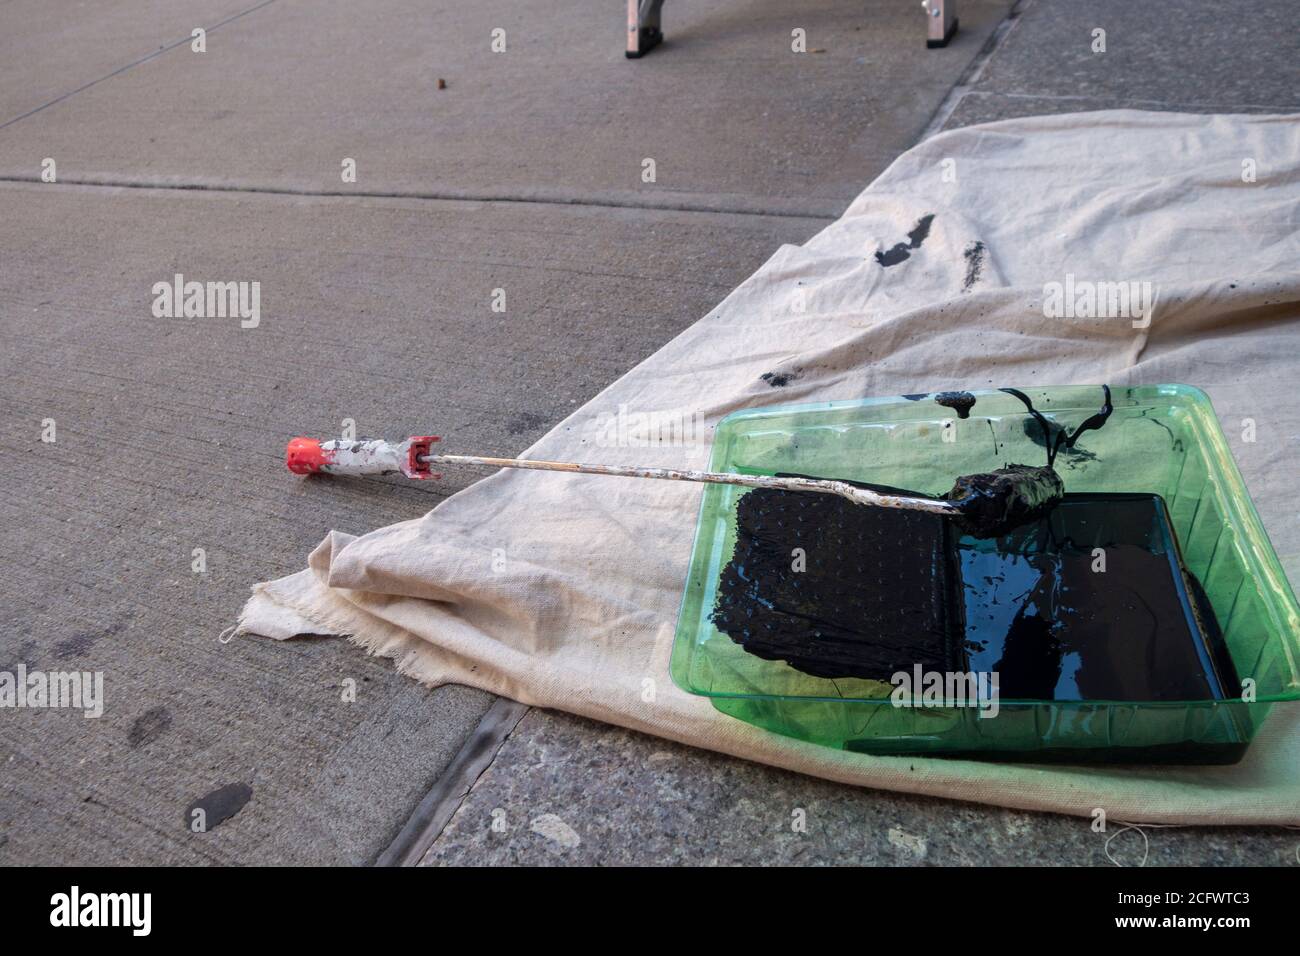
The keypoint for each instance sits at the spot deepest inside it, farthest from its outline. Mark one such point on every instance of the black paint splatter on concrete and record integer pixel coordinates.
(779, 379)
(903, 250)
(959, 402)
(526, 422)
(149, 726)
(77, 645)
(80, 643)
(219, 805)
(25, 655)
(974, 256)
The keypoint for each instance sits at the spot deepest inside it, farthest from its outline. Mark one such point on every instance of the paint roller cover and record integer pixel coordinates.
(994, 503)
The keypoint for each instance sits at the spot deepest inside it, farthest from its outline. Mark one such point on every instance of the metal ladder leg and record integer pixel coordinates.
(941, 17)
(643, 31)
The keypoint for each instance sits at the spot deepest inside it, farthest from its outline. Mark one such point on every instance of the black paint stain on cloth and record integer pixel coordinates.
(974, 256)
(149, 726)
(219, 805)
(779, 379)
(920, 232)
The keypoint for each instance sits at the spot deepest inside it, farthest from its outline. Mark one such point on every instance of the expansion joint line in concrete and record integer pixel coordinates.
(975, 69)
(450, 195)
(134, 63)
(1138, 103)
(453, 785)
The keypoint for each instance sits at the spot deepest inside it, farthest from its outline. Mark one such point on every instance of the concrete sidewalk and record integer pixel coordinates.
(520, 171)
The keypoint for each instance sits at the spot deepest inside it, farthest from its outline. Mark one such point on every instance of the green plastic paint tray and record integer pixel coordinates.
(1161, 440)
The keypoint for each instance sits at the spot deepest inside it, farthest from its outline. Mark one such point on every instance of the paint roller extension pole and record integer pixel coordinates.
(855, 494)
(412, 458)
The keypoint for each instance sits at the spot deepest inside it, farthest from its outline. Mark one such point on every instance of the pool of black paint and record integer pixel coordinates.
(1092, 603)
(882, 590)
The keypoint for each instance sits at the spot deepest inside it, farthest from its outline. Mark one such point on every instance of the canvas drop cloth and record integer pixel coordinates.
(578, 612)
